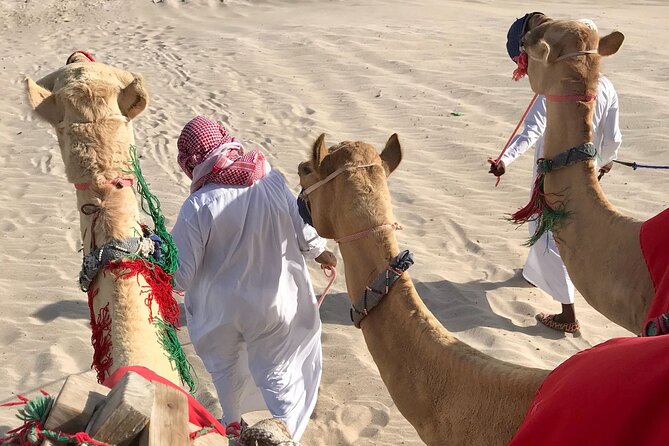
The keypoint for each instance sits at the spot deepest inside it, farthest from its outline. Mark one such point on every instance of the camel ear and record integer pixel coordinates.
(392, 154)
(43, 102)
(319, 151)
(540, 51)
(610, 44)
(134, 98)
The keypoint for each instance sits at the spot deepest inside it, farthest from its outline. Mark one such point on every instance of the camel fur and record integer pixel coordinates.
(599, 246)
(450, 392)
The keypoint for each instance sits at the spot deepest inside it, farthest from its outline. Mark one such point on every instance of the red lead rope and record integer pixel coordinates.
(506, 146)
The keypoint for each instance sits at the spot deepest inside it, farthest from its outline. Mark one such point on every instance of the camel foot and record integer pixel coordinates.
(549, 321)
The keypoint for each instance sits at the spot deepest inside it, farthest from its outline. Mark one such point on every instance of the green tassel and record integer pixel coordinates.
(170, 256)
(547, 217)
(36, 409)
(167, 336)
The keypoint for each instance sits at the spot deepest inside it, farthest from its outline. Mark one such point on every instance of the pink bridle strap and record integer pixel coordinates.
(118, 183)
(358, 235)
(571, 98)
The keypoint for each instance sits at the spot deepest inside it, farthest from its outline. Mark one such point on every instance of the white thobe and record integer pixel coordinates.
(544, 267)
(250, 307)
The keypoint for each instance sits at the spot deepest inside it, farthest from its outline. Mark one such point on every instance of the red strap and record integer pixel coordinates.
(80, 52)
(119, 183)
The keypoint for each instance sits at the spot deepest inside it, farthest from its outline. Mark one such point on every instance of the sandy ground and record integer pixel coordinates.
(279, 73)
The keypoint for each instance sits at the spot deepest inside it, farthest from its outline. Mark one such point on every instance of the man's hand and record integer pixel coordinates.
(327, 258)
(497, 168)
(606, 168)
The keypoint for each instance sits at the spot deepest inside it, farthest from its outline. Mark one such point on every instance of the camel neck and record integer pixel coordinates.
(418, 359)
(593, 235)
(107, 214)
(569, 124)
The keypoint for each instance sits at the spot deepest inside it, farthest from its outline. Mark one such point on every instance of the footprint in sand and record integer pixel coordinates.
(361, 419)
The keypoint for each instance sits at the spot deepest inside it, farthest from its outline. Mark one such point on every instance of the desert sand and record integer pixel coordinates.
(279, 73)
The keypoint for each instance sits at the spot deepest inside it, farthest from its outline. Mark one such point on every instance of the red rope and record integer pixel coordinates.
(508, 142)
(331, 273)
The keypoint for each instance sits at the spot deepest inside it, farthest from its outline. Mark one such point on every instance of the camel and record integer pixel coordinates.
(450, 392)
(599, 246)
(91, 106)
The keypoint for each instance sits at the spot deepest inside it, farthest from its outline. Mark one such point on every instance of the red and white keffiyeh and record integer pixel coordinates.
(208, 153)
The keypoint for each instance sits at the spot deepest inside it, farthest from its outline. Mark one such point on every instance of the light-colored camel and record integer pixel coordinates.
(91, 106)
(450, 392)
(600, 247)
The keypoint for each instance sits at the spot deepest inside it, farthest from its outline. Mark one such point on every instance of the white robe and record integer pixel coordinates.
(544, 267)
(250, 306)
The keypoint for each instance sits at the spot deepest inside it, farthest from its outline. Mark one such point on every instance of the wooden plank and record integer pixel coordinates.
(76, 403)
(169, 419)
(213, 439)
(125, 413)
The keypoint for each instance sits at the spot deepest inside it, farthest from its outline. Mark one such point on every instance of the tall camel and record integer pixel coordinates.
(91, 106)
(600, 247)
(451, 393)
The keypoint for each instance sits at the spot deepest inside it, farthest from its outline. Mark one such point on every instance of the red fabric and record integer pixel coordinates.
(615, 393)
(655, 247)
(197, 414)
(521, 66)
(199, 138)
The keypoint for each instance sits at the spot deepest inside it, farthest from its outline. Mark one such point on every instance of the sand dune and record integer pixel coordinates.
(279, 73)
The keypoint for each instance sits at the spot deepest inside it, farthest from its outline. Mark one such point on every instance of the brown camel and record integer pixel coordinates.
(600, 247)
(450, 392)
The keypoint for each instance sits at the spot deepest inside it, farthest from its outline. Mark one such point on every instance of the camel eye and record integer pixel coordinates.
(304, 169)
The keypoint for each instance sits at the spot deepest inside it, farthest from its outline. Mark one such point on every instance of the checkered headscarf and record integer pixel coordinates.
(208, 153)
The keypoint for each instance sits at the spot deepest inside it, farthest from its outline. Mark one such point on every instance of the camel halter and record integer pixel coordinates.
(331, 272)
(358, 235)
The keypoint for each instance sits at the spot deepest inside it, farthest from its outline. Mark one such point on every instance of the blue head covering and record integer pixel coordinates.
(515, 34)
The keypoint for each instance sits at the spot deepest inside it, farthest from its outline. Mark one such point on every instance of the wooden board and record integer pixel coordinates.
(169, 419)
(125, 413)
(75, 404)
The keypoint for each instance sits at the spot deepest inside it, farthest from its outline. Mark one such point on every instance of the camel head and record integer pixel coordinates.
(557, 64)
(355, 197)
(91, 106)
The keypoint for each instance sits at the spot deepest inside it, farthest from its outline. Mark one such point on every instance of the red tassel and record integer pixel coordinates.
(159, 287)
(521, 68)
(100, 336)
(535, 206)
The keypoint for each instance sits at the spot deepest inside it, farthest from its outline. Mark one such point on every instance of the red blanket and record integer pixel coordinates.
(655, 247)
(197, 414)
(615, 393)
